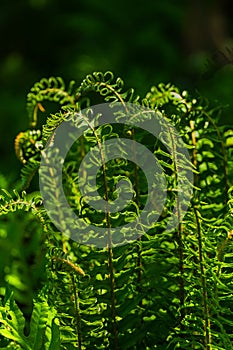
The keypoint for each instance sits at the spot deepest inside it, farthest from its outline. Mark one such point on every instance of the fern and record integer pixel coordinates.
(171, 287)
(104, 84)
(12, 203)
(52, 89)
(44, 330)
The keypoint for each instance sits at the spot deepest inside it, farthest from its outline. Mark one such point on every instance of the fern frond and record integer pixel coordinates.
(10, 203)
(52, 122)
(51, 89)
(163, 94)
(43, 326)
(28, 145)
(108, 87)
(28, 172)
(177, 280)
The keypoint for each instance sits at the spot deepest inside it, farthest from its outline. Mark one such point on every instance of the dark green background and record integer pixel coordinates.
(144, 42)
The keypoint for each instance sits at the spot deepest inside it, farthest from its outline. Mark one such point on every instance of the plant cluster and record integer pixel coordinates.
(168, 289)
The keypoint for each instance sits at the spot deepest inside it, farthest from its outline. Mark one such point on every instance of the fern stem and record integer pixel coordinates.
(207, 331)
(136, 187)
(113, 298)
(179, 231)
(109, 239)
(194, 153)
(77, 313)
(115, 93)
(69, 263)
(181, 274)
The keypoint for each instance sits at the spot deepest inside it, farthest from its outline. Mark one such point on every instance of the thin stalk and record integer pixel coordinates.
(108, 238)
(181, 275)
(113, 298)
(77, 313)
(194, 153)
(206, 315)
(138, 247)
(179, 237)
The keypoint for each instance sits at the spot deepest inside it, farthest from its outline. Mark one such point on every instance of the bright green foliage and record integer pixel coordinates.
(44, 330)
(166, 290)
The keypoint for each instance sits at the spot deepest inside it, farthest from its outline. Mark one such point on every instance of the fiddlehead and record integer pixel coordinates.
(52, 89)
(107, 87)
(158, 280)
